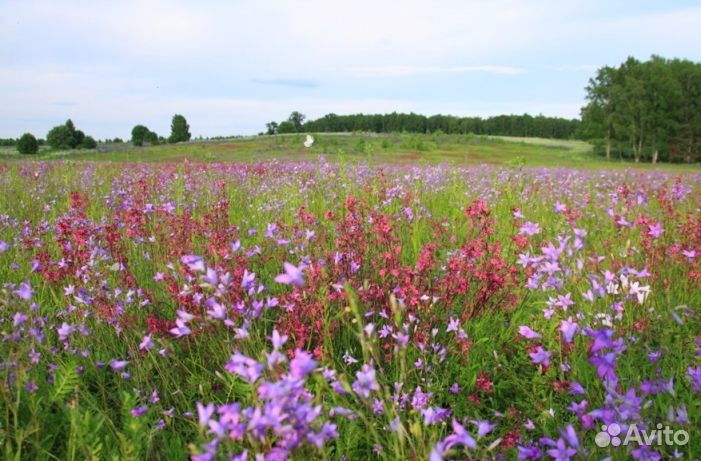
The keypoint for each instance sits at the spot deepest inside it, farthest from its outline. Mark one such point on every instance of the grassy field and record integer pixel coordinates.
(400, 148)
(370, 298)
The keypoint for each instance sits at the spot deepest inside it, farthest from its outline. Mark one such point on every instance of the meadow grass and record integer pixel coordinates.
(415, 149)
(386, 251)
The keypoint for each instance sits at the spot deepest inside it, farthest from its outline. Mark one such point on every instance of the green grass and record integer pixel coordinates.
(374, 148)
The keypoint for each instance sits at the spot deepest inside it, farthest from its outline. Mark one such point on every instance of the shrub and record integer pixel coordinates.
(27, 144)
(89, 143)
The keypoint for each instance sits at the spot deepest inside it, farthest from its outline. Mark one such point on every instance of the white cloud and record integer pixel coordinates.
(589, 68)
(151, 28)
(110, 65)
(403, 71)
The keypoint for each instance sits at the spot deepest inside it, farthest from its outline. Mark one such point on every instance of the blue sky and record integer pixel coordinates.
(231, 66)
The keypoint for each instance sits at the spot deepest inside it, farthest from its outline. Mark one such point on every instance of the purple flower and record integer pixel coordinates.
(24, 291)
(181, 328)
(529, 228)
(64, 331)
(630, 405)
(569, 434)
(459, 436)
(602, 339)
(3, 246)
(204, 413)
(540, 356)
(483, 427)
(531, 453)
(453, 325)
(118, 365)
(365, 382)
(139, 411)
(31, 387)
(19, 318)
(561, 452)
(434, 415)
(527, 333)
(194, 263)
(293, 275)
(216, 310)
(235, 246)
(645, 453)
(277, 340)
(605, 366)
(438, 451)
(302, 364)
(402, 338)
(568, 329)
(328, 431)
(655, 230)
(146, 343)
(246, 367)
(578, 408)
(695, 375)
(420, 399)
(210, 277)
(247, 279)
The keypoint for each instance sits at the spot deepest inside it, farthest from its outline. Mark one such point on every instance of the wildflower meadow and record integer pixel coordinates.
(348, 311)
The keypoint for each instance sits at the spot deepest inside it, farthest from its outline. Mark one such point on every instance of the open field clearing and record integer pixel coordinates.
(348, 310)
(353, 147)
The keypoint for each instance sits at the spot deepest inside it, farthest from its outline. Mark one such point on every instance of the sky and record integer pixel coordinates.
(231, 66)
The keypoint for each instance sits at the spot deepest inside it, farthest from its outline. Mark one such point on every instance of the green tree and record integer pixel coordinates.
(649, 110)
(138, 135)
(88, 143)
(599, 115)
(297, 120)
(662, 102)
(78, 139)
(271, 128)
(65, 136)
(27, 144)
(507, 125)
(60, 137)
(152, 138)
(179, 129)
(685, 144)
(286, 127)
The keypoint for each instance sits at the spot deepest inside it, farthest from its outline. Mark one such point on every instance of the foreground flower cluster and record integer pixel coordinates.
(312, 311)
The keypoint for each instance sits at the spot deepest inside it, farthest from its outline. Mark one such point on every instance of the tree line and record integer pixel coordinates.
(179, 132)
(503, 125)
(60, 137)
(645, 111)
(66, 136)
(649, 111)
